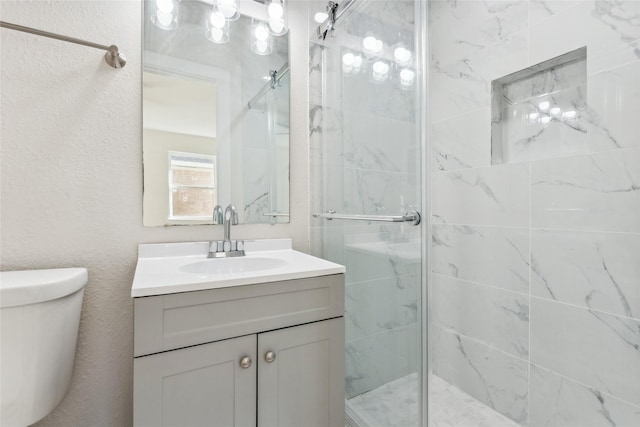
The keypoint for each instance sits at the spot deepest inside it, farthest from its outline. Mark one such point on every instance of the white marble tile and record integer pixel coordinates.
(614, 101)
(594, 192)
(380, 305)
(472, 43)
(462, 84)
(531, 134)
(451, 407)
(378, 359)
(542, 9)
(462, 142)
(595, 270)
(256, 185)
(376, 192)
(384, 99)
(490, 255)
(556, 401)
(370, 264)
(394, 404)
(560, 74)
(596, 349)
(491, 376)
(367, 142)
(497, 195)
(467, 27)
(609, 28)
(496, 317)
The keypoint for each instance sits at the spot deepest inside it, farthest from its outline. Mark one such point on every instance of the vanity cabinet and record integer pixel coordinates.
(264, 355)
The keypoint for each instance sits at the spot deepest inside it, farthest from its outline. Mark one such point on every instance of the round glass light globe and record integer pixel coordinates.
(275, 10)
(217, 19)
(380, 67)
(320, 17)
(261, 33)
(369, 43)
(165, 6)
(163, 18)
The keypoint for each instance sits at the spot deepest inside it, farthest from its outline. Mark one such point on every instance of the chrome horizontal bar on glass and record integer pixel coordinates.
(274, 214)
(113, 57)
(412, 217)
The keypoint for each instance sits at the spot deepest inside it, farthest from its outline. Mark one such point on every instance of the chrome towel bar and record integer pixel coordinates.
(412, 217)
(113, 57)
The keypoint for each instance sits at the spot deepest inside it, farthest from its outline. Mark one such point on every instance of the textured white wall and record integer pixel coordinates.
(71, 179)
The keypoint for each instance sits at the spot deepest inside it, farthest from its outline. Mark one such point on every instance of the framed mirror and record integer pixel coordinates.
(215, 111)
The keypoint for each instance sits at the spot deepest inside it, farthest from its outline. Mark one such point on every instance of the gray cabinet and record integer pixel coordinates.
(289, 371)
(197, 386)
(304, 385)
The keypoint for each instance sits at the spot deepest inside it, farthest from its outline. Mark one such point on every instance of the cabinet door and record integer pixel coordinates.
(203, 385)
(304, 384)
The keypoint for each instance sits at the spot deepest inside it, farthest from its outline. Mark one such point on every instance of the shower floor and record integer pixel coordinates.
(395, 405)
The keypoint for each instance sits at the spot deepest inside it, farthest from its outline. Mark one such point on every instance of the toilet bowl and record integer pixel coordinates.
(39, 317)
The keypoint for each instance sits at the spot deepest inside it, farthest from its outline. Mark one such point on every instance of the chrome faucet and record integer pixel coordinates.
(218, 215)
(230, 218)
(227, 247)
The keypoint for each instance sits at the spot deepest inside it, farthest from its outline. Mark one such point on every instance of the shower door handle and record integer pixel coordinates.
(412, 217)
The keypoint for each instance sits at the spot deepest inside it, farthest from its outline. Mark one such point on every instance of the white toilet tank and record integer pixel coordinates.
(39, 317)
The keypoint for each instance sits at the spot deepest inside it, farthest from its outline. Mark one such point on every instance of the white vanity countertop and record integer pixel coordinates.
(168, 268)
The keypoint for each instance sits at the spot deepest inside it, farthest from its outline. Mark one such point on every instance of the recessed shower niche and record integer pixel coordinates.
(540, 112)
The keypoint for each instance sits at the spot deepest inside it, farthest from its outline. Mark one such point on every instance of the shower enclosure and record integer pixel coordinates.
(521, 150)
(366, 173)
(266, 151)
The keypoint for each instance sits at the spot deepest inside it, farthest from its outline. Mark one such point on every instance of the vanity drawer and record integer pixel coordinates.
(167, 322)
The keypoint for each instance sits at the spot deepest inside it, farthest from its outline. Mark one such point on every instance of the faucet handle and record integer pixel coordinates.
(218, 215)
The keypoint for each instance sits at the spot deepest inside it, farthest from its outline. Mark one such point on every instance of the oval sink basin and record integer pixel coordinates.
(232, 265)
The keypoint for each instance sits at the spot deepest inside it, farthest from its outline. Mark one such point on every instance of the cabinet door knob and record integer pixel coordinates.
(245, 362)
(269, 356)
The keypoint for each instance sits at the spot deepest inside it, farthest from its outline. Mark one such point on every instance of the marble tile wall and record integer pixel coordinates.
(364, 160)
(535, 264)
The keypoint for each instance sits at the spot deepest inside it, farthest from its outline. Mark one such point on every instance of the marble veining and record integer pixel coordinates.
(556, 401)
(595, 192)
(540, 112)
(396, 404)
(494, 377)
(497, 195)
(490, 255)
(595, 270)
(597, 349)
(490, 315)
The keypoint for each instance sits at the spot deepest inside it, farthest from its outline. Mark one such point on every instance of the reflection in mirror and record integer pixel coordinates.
(215, 112)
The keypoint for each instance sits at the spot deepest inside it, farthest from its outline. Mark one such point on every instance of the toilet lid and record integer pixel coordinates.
(34, 286)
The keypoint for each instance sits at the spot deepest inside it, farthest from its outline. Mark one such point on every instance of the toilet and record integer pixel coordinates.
(39, 317)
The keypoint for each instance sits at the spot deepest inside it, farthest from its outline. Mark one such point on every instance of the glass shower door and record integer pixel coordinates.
(366, 173)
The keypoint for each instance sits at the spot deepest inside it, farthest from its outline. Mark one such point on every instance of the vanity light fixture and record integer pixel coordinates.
(380, 71)
(228, 8)
(351, 63)
(372, 46)
(261, 40)
(320, 17)
(402, 55)
(407, 77)
(277, 17)
(166, 16)
(217, 27)
(544, 105)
